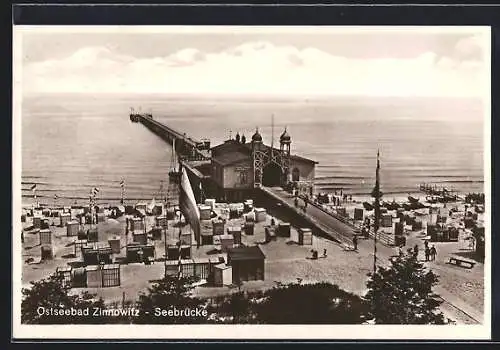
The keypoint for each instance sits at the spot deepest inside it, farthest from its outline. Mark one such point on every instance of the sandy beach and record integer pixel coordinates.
(286, 261)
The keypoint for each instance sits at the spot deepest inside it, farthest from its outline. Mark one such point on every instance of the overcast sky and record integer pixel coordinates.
(365, 62)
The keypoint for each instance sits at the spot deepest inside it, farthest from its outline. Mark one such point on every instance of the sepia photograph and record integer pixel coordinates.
(251, 182)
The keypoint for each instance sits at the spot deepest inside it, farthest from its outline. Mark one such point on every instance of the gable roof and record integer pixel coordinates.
(231, 157)
(245, 149)
(245, 253)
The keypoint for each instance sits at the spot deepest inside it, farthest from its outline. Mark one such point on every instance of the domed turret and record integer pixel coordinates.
(256, 137)
(285, 142)
(285, 137)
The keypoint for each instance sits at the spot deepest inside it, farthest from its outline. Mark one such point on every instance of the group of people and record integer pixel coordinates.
(296, 203)
(430, 252)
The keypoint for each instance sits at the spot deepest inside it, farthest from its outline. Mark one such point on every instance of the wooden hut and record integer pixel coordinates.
(72, 228)
(66, 275)
(249, 228)
(284, 229)
(139, 237)
(186, 238)
(115, 244)
(270, 232)
(207, 238)
(136, 224)
(94, 276)
(226, 242)
(162, 221)
(45, 237)
(64, 218)
(205, 212)
(305, 236)
(235, 231)
(217, 227)
(211, 203)
(222, 275)
(92, 235)
(173, 252)
(46, 252)
(260, 214)
(358, 214)
(37, 221)
(111, 275)
(247, 263)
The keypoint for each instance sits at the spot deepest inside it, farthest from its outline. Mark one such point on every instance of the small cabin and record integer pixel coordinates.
(247, 263)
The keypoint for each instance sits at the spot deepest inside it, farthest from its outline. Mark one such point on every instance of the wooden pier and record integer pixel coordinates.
(325, 223)
(187, 147)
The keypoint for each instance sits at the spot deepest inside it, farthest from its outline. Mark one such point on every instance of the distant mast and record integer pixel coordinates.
(376, 194)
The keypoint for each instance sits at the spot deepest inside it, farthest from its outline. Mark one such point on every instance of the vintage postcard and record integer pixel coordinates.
(251, 182)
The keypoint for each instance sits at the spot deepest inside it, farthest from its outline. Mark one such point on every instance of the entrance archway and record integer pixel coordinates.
(295, 174)
(272, 175)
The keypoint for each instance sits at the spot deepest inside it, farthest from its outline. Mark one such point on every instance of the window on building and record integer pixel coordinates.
(243, 177)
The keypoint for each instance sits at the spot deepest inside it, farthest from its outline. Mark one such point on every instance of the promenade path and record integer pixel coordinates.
(338, 230)
(462, 290)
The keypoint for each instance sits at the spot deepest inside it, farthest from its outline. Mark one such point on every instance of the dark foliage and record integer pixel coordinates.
(402, 293)
(319, 303)
(295, 303)
(49, 296)
(169, 293)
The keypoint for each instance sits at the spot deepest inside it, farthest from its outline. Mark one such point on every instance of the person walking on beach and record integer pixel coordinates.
(433, 253)
(427, 253)
(324, 253)
(355, 242)
(415, 251)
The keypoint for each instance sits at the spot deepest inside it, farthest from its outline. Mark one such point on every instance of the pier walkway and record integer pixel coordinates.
(185, 146)
(339, 231)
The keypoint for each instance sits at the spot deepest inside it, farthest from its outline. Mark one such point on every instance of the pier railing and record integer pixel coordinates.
(382, 237)
(186, 146)
(334, 235)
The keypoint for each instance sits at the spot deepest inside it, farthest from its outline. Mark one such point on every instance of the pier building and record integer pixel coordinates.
(238, 167)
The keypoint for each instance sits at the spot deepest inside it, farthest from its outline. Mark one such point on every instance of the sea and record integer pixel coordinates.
(72, 143)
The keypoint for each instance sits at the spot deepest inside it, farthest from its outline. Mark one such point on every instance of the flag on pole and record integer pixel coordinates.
(95, 191)
(377, 194)
(122, 185)
(33, 187)
(56, 196)
(187, 205)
